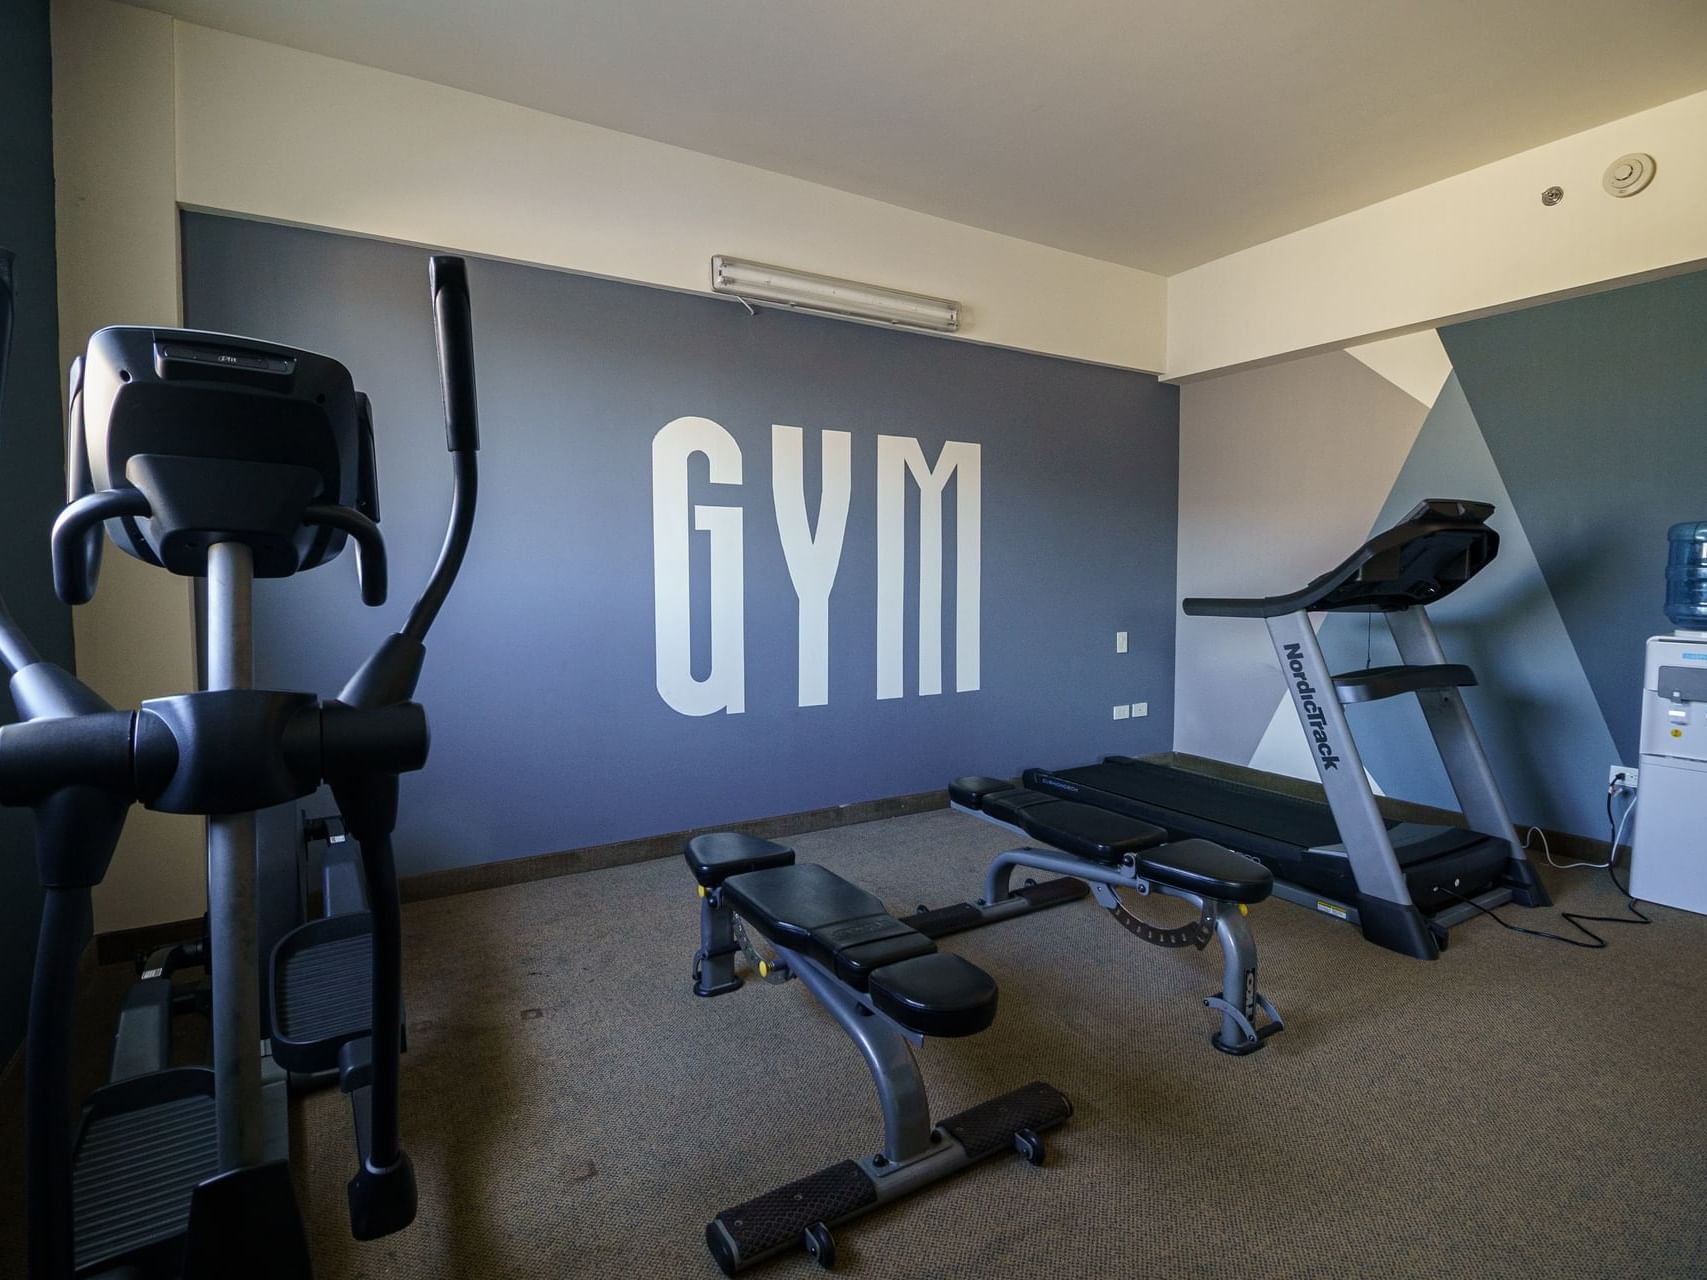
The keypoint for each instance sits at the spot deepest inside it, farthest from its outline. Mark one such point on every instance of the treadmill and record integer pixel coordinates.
(1405, 884)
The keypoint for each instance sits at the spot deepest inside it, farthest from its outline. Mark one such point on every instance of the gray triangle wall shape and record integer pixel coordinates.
(1594, 409)
(1536, 712)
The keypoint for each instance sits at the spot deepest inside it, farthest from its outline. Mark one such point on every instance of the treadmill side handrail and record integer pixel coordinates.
(1429, 518)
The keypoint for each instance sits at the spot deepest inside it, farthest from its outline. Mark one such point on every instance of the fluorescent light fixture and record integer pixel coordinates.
(759, 282)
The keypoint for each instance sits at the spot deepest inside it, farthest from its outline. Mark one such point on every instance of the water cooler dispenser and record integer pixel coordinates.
(1669, 852)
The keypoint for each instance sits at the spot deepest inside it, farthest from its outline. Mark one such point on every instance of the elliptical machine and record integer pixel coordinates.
(226, 458)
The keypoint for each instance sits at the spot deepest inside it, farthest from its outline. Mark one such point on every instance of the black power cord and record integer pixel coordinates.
(1576, 918)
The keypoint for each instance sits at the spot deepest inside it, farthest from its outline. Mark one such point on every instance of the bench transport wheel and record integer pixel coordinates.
(820, 1245)
(1030, 1145)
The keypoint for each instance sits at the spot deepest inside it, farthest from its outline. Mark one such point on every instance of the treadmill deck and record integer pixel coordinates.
(1294, 836)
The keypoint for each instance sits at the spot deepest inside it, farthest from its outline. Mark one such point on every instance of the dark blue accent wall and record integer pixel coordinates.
(549, 731)
(32, 474)
(1595, 410)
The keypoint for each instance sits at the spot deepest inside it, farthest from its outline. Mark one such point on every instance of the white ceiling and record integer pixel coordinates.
(1157, 133)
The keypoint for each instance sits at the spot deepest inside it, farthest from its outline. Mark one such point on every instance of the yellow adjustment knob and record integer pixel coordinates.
(1244, 910)
(764, 969)
(702, 890)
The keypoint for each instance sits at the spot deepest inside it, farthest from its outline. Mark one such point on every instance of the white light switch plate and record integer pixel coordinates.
(1140, 709)
(1121, 711)
(1120, 642)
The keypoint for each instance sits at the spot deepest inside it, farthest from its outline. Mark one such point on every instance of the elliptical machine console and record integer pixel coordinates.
(226, 458)
(217, 436)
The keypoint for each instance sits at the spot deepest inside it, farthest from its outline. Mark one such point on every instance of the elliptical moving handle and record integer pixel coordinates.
(453, 328)
(382, 1195)
(453, 331)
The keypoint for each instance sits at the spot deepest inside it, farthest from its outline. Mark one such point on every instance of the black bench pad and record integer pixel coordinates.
(1202, 866)
(1013, 804)
(717, 855)
(1084, 830)
(811, 909)
(1079, 829)
(971, 791)
(1099, 835)
(936, 995)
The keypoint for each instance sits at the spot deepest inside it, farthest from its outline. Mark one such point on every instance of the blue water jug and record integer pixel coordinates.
(1686, 576)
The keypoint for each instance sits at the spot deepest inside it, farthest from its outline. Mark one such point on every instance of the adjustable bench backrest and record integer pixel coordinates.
(1102, 836)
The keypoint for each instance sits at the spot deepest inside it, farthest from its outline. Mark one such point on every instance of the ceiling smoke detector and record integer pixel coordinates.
(1629, 174)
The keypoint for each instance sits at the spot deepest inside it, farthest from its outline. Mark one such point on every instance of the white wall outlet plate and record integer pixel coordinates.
(1622, 775)
(1121, 711)
(1140, 709)
(1120, 642)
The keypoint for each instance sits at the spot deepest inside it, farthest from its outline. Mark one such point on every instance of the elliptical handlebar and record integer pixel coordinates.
(453, 329)
(382, 1195)
(453, 332)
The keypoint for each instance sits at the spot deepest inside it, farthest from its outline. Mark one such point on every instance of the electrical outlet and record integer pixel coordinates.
(1121, 711)
(1622, 775)
(1140, 709)
(1120, 642)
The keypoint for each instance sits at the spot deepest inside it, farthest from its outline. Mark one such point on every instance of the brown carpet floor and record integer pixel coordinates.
(1518, 1108)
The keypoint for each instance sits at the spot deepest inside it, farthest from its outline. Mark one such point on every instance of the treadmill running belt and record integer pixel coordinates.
(1279, 825)
(1271, 815)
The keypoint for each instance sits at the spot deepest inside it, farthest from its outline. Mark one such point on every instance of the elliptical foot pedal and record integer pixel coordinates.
(144, 1145)
(322, 984)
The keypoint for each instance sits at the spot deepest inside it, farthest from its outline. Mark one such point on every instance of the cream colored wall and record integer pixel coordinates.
(293, 136)
(1475, 243)
(117, 227)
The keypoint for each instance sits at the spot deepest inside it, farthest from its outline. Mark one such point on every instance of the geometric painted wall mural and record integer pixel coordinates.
(1585, 424)
(1595, 411)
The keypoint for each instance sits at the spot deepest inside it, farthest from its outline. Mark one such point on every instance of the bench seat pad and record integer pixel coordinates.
(1202, 866)
(1084, 830)
(936, 995)
(812, 909)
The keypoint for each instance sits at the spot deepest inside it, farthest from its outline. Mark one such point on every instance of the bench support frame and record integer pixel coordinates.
(915, 1152)
(1240, 1001)
(714, 963)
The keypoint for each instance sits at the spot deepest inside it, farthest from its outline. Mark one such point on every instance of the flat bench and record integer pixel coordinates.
(1099, 835)
(1112, 851)
(817, 913)
(889, 987)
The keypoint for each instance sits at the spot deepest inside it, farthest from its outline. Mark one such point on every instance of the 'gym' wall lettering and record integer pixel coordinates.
(727, 566)
(813, 554)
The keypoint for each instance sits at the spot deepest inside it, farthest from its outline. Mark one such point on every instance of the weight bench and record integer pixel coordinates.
(889, 987)
(1113, 851)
